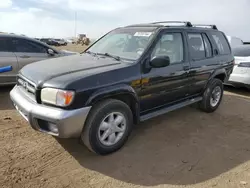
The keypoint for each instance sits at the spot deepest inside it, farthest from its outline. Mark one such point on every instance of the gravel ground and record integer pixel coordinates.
(185, 148)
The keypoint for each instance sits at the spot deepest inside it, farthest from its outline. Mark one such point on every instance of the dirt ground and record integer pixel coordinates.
(185, 148)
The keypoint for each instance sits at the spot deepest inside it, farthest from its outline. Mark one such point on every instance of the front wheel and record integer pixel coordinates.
(108, 127)
(212, 96)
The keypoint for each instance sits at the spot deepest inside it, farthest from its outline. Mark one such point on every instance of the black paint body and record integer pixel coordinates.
(146, 89)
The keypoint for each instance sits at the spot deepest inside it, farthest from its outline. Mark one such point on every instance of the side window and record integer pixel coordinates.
(170, 44)
(196, 46)
(221, 43)
(22, 45)
(208, 46)
(4, 46)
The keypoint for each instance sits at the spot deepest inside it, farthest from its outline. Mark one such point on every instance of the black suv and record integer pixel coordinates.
(129, 75)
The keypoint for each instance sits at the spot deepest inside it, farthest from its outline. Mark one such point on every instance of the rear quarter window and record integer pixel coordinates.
(221, 43)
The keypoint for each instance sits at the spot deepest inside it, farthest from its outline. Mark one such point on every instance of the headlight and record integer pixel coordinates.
(57, 96)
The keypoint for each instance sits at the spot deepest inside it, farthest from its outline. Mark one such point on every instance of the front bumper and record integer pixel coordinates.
(68, 123)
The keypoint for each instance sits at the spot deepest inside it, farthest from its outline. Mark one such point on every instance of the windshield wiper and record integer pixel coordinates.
(109, 55)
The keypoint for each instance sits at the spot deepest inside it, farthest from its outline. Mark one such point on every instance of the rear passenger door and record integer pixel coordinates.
(8, 62)
(28, 51)
(202, 62)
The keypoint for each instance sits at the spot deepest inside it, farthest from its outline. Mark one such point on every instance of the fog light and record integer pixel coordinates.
(53, 128)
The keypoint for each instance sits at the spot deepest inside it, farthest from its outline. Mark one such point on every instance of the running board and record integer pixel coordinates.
(169, 109)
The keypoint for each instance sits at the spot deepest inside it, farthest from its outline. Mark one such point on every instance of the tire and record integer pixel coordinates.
(91, 134)
(206, 104)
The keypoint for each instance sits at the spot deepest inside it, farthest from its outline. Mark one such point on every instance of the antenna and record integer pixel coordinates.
(75, 23)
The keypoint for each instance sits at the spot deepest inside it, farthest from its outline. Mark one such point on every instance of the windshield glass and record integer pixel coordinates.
(127, 43)
(242, 51)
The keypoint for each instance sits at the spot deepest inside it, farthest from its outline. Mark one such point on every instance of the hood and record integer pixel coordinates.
(45, 70)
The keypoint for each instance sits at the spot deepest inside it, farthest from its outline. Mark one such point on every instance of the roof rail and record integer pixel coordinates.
(187, 24)
(206, 26)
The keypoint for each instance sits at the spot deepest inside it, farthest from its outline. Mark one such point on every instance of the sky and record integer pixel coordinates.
(60, 18)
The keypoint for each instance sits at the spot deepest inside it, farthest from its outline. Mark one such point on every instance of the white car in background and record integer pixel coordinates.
(62, 42)
(234, 41)
(240, 76)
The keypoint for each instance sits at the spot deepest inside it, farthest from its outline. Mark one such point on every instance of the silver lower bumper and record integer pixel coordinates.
(69, 123)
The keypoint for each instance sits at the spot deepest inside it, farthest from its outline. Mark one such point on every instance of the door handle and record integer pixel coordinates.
(24, 56)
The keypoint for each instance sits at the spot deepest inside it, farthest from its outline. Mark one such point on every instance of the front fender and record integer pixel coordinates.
(112, 91)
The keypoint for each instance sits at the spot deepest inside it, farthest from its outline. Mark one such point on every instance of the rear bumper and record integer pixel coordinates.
(68, 123)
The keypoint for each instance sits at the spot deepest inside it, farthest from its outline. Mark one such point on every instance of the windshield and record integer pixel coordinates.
(242, 51)
(127, 43)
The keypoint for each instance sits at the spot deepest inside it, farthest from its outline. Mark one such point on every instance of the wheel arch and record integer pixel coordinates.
(124, 93)
(220, 74)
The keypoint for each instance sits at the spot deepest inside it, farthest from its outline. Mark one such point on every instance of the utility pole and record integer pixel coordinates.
(75, 24)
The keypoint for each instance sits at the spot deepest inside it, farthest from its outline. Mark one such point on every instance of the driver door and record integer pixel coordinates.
(166, 85)
(29, 52)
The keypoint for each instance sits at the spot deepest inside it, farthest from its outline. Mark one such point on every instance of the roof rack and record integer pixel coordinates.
(168, 23)
(178, 23)
(206, 26)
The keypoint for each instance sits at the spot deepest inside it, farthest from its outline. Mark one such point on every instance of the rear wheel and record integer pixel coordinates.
(108, 127)
(212, 96)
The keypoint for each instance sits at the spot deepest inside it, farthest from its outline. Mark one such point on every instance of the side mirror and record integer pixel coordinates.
(51, 52)
(160, 61)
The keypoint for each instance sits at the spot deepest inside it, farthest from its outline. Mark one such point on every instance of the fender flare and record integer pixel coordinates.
(214, 74)
(112, 91)
(115, 91)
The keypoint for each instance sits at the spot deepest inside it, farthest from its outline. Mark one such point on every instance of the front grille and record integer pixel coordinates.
(27, 86)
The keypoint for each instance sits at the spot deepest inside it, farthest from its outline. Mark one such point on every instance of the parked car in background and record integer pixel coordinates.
(17, 51)
(70, 41)
(62, 42)
(130, 75)
(50, 42)
(234, 41)
(240, 76)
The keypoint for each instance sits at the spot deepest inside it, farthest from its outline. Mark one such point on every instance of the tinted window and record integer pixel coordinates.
(170, 44)
(208, 46)
(196, 46)
(4, 45)
(22, 45)
(221, 43)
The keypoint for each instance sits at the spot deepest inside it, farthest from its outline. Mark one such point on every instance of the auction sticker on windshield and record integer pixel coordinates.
(143, 34)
